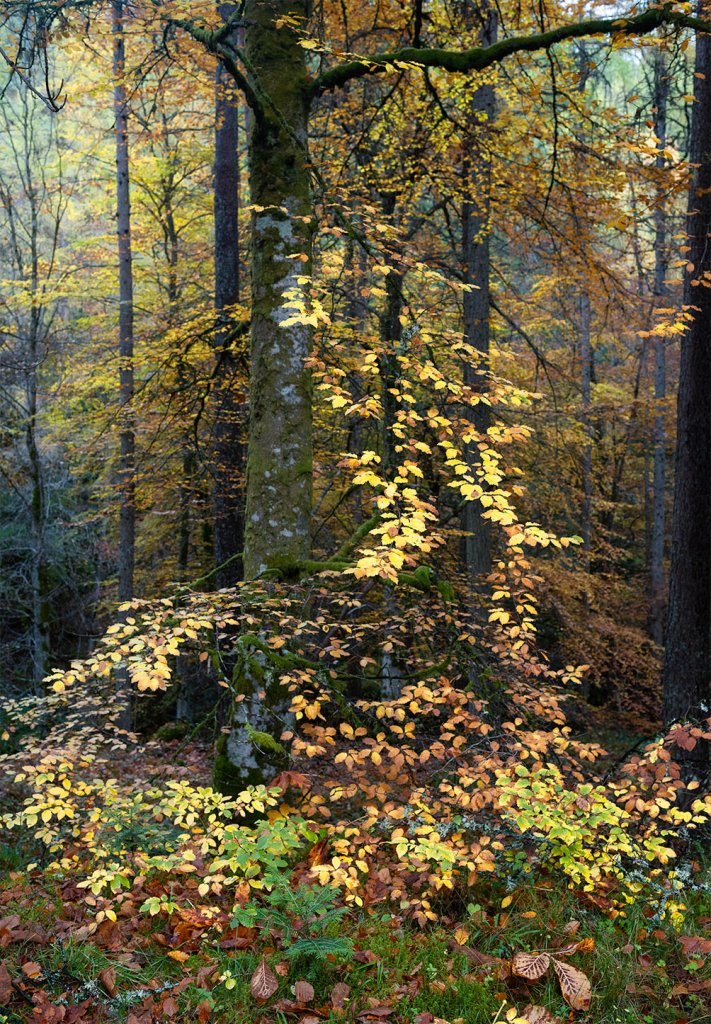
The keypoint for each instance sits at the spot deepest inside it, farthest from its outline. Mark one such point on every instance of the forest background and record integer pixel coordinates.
(356, 572)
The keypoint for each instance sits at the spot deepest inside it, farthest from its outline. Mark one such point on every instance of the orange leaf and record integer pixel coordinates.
(573, 984)
(179, 955)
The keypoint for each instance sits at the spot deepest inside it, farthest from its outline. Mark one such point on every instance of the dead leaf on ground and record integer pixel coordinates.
(574, 985)
(539, 1015)
(107, 978)
(339, 995)
(695, 944)
(263, 983)
(531, 966)
(6, 989)
(303, 992)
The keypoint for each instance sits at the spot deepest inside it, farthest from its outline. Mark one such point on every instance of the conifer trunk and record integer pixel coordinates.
(687, 663)
(656, 548)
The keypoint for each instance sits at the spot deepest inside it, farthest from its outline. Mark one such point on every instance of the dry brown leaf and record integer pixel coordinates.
(263, 983)
(571, 928)
(340, 994)
(107, 978)
(6, 989)
(32, 970)
(574, 985)
(531, 966)
(539, 1015)
(303, 992)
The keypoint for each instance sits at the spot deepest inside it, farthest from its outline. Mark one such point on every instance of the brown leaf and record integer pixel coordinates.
(571, 928)
(695, 944)
(32, 970)
(107, 978)
(303, 992)
(318, 854)
(6, 989)
(583, 946)
(573, 984)
(376, 1011)
(539, 1015)
(340, 994)
(264, 982)
(170, 1006)
(204, 1009)
(531, 966)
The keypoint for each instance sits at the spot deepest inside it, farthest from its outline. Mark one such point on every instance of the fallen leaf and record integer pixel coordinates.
(32, 970)
(531, 966)
(339, 995)
(6, 989)
(303, 992)
(571, 928)
(573, 984)
(180, 955)
(695, 944)
(539, 1015)
(263, 983)
(107, 978)
(170, 1006)
(376, 1011)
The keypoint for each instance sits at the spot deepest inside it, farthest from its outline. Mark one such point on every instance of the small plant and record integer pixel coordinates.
(304, 916)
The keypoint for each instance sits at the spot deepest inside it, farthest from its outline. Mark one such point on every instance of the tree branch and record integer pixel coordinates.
(481, 57)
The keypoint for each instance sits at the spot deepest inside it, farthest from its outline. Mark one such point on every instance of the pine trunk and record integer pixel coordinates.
(687, 663)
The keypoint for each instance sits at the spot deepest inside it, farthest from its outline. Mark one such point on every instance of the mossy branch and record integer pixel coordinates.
(480, 57)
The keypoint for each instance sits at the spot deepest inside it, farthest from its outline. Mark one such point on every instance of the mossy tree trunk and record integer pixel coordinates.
(279, 464)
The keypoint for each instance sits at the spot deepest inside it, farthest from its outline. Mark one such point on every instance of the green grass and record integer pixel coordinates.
(632, 971)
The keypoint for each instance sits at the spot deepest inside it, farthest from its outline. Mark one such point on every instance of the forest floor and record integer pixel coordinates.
(185, 966)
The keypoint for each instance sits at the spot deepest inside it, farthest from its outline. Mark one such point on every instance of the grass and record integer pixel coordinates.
(639, 971)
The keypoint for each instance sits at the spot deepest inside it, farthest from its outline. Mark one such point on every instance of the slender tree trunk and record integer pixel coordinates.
(280, 458)
(586, 372)
(476, 232)
(656, 553)
(229, 407)
(687, 663)
(127, 458)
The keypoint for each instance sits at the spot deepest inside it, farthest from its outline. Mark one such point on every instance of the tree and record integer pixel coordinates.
(687, 661)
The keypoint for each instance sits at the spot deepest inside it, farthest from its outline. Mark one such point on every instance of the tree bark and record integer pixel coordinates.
(656, 548)
(229, 407)
(127, 478)
(280, 459)
(476, 233)
(687, 662)
(127, 454)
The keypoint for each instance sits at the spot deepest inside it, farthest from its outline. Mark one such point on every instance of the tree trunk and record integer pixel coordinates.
(229, 407)
(656, 552)
(280, 459)
(476, 264)
(127, 458)
(687, 663)
(280, 452)
(586, 372)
